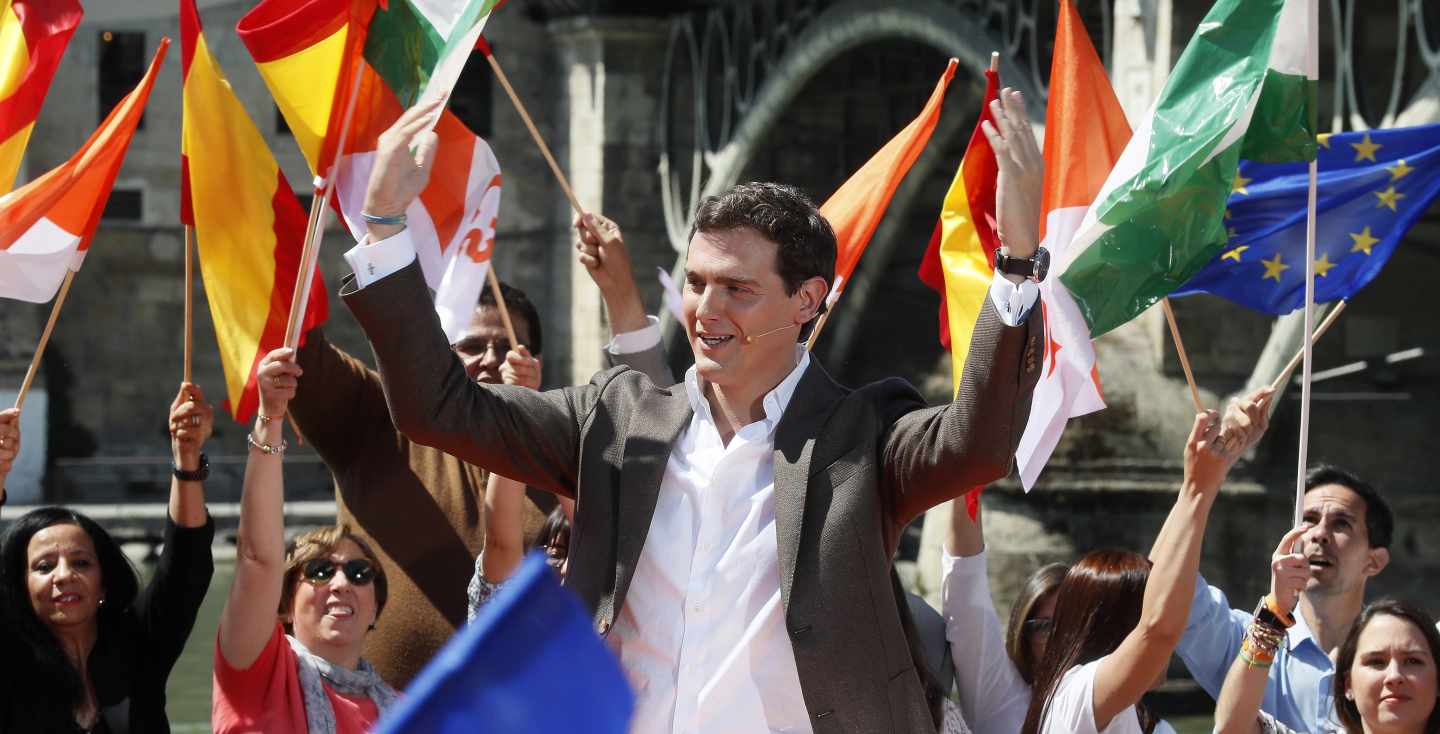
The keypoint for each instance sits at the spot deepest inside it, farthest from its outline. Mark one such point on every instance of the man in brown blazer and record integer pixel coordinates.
(733, 534)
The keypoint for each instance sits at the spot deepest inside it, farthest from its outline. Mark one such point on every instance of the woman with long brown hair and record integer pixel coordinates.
(1118, 616)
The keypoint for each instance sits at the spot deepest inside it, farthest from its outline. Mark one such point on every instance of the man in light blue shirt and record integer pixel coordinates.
(1347, 541)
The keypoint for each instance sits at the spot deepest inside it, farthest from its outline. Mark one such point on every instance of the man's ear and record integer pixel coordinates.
(1379, 559)
(812, 293)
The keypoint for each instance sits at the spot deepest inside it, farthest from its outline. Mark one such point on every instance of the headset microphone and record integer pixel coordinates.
(750, 339)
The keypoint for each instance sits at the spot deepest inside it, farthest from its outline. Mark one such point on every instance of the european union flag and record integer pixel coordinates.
(530, 663)
(1372, 187)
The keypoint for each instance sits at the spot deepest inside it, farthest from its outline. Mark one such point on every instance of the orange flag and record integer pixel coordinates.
(46, 226)
(249, 226)
(855, 209)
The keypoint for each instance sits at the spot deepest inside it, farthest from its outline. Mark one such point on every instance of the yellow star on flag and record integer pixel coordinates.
(1323, 264)
(1324, 140)
(1240, 183)
(1399, 170)
(1235, 253)
(1363, 241)
(1273, 269)
(1388, 198)
(1365, 150)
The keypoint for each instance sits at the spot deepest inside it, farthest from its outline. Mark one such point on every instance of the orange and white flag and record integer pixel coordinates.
(46, 226)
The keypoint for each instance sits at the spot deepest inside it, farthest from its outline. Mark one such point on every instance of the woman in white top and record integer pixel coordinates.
(1119, 617)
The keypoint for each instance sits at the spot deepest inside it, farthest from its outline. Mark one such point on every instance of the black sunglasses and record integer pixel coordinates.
(318, 572)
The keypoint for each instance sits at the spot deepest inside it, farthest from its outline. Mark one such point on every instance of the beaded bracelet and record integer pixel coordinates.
(266, 448)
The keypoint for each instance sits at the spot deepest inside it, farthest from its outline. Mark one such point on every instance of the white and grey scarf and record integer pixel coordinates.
(316, 671)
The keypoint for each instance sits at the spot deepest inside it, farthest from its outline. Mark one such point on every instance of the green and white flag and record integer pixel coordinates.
(1245, 87)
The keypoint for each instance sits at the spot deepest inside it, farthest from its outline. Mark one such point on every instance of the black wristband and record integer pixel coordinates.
(197, 475)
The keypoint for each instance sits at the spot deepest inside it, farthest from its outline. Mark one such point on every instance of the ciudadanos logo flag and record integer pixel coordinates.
(1372, 188)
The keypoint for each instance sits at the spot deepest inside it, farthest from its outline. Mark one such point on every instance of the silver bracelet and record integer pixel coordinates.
(392, 219)
(266, 448)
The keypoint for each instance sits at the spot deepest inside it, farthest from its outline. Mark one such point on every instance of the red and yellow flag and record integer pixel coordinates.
(33, 36)
(855, 209)
(960, 260)
(46, 226)
(249, 226)
(311, 54)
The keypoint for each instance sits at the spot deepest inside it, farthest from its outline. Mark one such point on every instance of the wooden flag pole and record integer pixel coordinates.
(189, 298)
(500, 304)
(1300, 354)
(44, 339)
(1184, 358)
(535, 133)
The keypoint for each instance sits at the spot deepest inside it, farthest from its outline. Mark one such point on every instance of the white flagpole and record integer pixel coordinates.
(1312, 64)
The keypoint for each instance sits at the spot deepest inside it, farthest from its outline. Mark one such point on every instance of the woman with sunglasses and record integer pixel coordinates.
(288, 653)
(84, 647)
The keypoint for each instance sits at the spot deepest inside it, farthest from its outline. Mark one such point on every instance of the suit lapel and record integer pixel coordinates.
(795, 439)
(659, 418)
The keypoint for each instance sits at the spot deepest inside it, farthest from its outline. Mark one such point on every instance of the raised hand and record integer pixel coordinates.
(404, 155)
(9, 444)
(1246, 419)
(602, 251)
(192, 420)
(1289, 572)
(278, 377)
(1021, 174)
(520, 368)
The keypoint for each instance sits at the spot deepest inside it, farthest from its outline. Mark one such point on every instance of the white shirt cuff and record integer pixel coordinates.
(1013, 300)
(372, 261)
(636, 341)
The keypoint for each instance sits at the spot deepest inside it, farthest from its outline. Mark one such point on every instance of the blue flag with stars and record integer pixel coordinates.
(1372, 187)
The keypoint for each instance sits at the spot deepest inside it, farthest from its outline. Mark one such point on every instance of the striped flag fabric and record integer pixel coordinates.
(309, 52)
(250, 228)
(855, 209)
(1085, 132)
(960, 261)
(33, 36)
(1244, 87)
(46, 226)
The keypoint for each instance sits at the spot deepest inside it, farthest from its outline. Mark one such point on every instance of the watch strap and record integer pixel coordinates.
(198, 474)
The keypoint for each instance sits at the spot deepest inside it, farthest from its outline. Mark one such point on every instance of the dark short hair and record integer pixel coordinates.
(518, 304)
(46, 666)
(804, 241)
(319, 543)
(1345, 709)
(1379, 520)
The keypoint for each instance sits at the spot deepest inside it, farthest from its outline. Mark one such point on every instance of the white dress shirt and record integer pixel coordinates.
(993, 696)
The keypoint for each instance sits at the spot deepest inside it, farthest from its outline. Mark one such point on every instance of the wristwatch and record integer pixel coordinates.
(196, 475)
(1034, 267)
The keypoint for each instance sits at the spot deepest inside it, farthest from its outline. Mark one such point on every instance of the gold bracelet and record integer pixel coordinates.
(266, 448)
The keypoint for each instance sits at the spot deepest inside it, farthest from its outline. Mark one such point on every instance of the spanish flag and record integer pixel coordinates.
(46, 226)
(313, 53)
(33, 36)
(855, 209)
(249, 226)
(960, 262)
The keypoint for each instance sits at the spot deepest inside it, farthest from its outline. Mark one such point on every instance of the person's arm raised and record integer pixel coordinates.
(1126, 674)
(1238, 708)
(505, 498)
(192, 421)
(9, 445)
(250, 613)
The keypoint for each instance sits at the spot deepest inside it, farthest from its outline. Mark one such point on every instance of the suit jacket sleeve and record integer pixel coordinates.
(936, 454)
(529, 436)
(340, 406)
(651, 362)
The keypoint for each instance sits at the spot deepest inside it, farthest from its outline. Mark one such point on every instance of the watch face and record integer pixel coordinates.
(1042, 264)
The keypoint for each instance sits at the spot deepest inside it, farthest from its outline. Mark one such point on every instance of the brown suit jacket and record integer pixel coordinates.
(852, 468)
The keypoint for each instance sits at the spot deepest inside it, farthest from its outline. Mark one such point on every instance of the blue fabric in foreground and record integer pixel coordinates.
(530, 662)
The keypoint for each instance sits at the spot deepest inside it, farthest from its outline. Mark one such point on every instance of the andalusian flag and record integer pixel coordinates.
(309, 52)
(855, 209)
(33, 35)
(1244, 88)
(1085, 132)
(960, 262)
(46, 226)
(249, 226)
